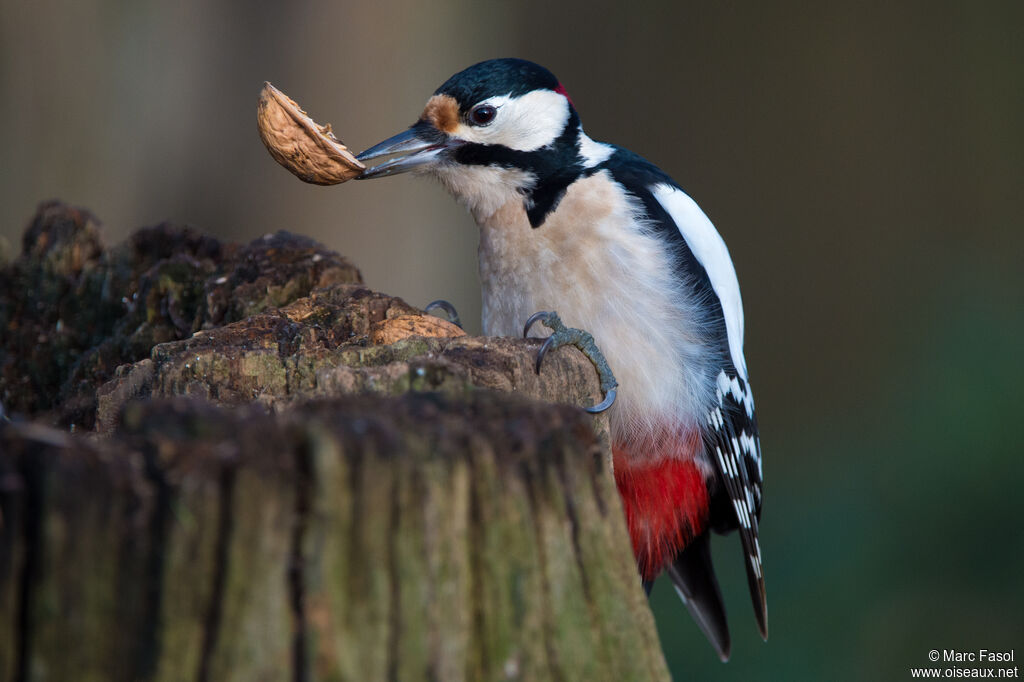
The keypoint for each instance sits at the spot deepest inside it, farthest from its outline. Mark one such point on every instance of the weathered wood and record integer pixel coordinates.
(289, 481)
(71, 312)
(363, 538)
(86, 558)
(16, 525)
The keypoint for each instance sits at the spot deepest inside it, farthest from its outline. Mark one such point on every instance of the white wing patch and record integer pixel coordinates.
(710, 250)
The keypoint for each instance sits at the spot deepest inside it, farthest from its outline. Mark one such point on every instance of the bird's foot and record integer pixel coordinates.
(568, 336)
(448, 308)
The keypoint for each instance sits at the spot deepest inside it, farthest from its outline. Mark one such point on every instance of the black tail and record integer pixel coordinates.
(695, 583)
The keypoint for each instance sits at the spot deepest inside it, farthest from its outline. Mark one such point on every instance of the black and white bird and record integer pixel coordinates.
(613, 244)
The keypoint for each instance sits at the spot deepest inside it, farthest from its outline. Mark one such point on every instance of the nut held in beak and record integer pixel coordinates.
(301, 145)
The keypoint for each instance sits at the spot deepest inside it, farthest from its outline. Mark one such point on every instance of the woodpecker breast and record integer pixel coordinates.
(595, 260)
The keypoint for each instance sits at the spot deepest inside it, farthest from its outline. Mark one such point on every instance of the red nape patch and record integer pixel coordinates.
(561, 91)
(666, 504)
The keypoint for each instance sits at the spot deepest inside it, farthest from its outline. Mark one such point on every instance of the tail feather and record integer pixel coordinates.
(696, 584)
(757, 595)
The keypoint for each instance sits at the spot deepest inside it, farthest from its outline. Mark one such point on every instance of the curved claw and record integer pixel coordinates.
(532, 320)
(609, 400)
(545, 347)
(563, 336)
(448, 308)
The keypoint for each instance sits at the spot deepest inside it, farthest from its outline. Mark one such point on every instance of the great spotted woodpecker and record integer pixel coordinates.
(612, 243)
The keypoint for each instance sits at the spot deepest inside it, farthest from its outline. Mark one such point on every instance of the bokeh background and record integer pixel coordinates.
(864, 161)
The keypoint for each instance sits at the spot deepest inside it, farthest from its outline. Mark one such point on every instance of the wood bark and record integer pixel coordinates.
(271, 492)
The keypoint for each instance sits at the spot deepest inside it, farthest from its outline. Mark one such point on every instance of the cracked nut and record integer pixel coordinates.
(300, 144)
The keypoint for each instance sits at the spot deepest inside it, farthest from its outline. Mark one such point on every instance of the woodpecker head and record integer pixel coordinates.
(501, 130)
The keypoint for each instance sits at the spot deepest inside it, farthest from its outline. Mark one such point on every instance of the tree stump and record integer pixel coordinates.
(281, 478)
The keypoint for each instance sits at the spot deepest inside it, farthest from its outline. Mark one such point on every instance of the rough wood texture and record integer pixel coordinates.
(359, 538)
(271, 495)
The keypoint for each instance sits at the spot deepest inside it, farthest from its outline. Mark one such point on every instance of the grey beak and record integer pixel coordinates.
(414, 151)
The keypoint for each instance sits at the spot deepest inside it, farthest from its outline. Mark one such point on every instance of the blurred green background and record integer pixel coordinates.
(864, 161)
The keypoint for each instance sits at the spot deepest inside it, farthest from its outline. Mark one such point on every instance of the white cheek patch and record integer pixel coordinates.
(525, 123)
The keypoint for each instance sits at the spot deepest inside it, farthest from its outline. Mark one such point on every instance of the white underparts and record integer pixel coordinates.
(605, 271)
(484, 189)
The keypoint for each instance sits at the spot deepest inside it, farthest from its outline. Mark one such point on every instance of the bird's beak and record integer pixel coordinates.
(413, 152)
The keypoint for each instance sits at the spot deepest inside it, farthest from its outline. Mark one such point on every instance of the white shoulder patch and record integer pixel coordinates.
(593, 152)
(710, 250)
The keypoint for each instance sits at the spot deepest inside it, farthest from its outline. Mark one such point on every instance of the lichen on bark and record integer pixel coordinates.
(290, 476)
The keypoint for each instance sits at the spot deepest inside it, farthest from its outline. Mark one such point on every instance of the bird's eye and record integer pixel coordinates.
(482, 115)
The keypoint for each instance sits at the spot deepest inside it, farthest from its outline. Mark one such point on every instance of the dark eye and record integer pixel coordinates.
(482, 115)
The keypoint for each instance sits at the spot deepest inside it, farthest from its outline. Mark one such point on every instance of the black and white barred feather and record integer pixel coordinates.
(733, 440)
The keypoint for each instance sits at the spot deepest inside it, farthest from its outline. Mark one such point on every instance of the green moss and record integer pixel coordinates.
(267, 370)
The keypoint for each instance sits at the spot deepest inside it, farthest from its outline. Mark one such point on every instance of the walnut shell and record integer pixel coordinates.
(300, 144)
(403, 326)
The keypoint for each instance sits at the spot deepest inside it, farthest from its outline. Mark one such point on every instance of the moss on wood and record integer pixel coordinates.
(270, 494)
